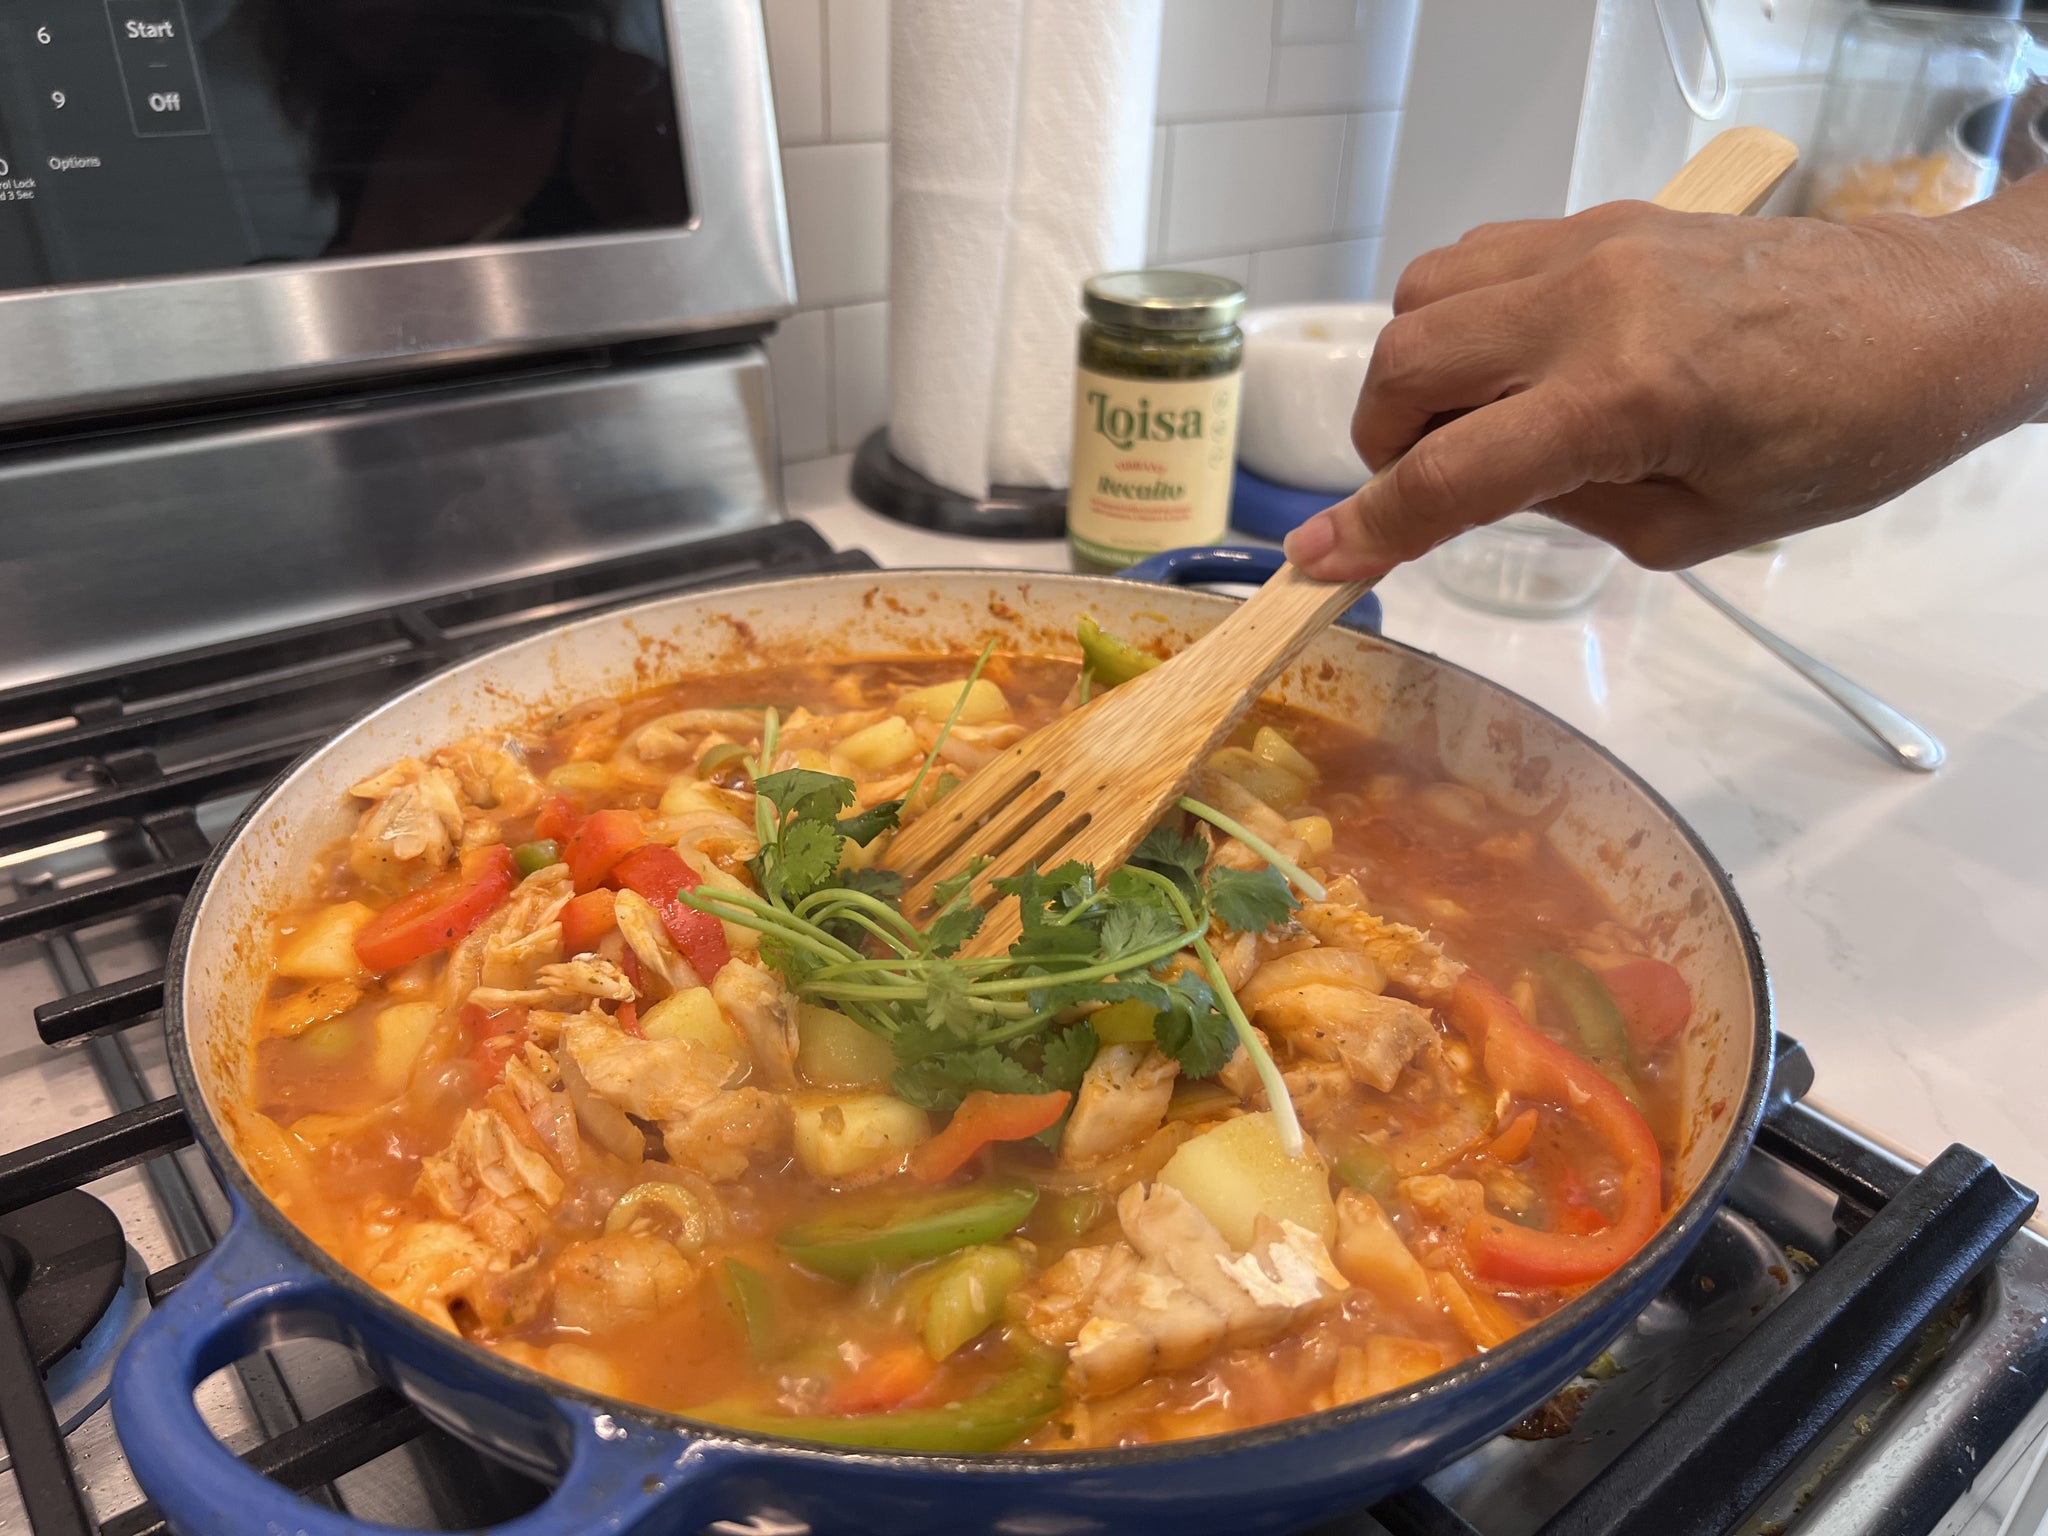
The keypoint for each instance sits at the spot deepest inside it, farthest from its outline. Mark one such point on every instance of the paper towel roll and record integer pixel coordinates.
(1020, 163)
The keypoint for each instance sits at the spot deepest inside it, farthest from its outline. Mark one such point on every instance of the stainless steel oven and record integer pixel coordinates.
(311, 305)
(214, 197)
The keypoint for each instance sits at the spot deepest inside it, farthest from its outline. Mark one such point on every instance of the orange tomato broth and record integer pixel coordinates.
(1483, 882)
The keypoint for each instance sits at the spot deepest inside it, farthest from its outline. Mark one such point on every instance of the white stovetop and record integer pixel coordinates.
(1904, 918)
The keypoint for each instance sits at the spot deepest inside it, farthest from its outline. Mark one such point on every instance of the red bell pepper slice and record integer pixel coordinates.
(438, 915)
(557, 819)
(586, 919)
(984, 1117)
(887, 1380)
(1653, 1000)
(1533, 1066)
(600, 840)
(657, 873)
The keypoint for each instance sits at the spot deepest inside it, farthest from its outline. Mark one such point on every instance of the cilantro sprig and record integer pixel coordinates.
(1012, 1023)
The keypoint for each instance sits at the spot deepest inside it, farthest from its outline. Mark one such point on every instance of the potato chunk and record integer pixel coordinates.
(323, 947)
(881, 746)
(1239, 1172)
(835, 1052)
(984, 705)
(693, 1014)
(844, 1136)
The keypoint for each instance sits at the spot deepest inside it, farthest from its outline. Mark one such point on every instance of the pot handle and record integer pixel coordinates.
(251, 1291)
(1244, 564)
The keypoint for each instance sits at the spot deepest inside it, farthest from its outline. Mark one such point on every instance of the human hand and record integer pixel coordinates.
(1687, 384)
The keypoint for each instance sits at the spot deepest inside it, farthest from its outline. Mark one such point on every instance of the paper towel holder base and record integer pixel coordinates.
(885, 484)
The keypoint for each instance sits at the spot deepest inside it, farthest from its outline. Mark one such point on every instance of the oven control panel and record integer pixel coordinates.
(157, 137)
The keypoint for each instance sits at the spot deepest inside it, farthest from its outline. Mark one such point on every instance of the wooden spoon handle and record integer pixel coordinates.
(1733, 173)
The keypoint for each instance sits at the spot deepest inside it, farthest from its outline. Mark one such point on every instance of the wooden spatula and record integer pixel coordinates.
(1089, 786)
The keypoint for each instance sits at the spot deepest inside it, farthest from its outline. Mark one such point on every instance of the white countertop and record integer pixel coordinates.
(1904, 917)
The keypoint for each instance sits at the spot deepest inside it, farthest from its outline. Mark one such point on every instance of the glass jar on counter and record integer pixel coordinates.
(1920, 104)
(1155, 415)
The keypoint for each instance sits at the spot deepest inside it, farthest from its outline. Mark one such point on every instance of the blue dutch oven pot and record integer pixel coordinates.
(617, 1467)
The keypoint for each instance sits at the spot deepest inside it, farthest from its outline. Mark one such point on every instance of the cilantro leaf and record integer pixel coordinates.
(1045, 942)
(807, 858)
(1134, 925)
(1250, 901)
(882, 884)
(1192, 1029)
(942, 1081)
(1067, 1055)
(952, 928)
(1175, 853)
(946, 1002)
(805, 792)
(1041, 897)
(946, 892)
(871, 823)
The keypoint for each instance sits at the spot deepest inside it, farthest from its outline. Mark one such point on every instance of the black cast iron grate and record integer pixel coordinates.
(138, 738)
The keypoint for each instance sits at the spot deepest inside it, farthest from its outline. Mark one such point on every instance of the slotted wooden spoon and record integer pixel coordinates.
(1089, 786)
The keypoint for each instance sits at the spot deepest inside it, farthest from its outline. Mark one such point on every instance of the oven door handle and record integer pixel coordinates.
(253, 1290)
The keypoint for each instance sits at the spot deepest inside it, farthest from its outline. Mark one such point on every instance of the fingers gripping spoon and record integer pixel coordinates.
(1091, 785)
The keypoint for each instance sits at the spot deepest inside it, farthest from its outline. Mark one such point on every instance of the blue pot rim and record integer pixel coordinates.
(1675, 1234)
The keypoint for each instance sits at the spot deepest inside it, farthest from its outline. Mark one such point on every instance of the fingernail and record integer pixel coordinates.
(1312, 540)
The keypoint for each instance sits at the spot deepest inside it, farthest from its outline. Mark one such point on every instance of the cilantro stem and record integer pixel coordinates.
(751, 912)
(931, 757)
(858, 906)
(1269, 1075)
(1296, 876)
(1133, 960)
(764, 811)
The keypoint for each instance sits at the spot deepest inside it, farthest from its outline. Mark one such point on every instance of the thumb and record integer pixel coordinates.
(1475, 469)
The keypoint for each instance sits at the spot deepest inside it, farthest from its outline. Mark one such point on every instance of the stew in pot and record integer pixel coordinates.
(604, 1044)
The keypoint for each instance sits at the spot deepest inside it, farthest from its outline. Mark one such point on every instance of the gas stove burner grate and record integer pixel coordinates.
(79, 1291)
(134, 770)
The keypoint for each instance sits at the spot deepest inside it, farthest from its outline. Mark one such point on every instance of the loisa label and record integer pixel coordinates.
(1152, 460)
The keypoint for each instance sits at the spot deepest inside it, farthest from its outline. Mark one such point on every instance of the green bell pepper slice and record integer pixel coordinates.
(752, 1299)
(1593, 1015)
(1110, 660)
(894, 1232)
(1012, 1406)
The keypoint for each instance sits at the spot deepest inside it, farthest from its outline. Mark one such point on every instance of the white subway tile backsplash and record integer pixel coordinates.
(857, 55)
(1237, 268)
(1258, 182)
(860, 373)
(1309, 274)
(799, 355)
(1155, 222)
(1214, 58)
(1270, 166)
(1317, 21)
(1368, 171)
(838, 221)
(796, 67)
(1388, 27)
(1322, 77)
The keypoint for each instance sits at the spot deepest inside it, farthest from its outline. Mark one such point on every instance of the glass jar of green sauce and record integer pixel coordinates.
(1155, 415)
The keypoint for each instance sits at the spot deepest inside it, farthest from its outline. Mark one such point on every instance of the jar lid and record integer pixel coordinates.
(1163, 300)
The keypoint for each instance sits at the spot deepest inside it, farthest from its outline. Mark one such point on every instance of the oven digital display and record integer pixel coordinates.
(150, 137)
